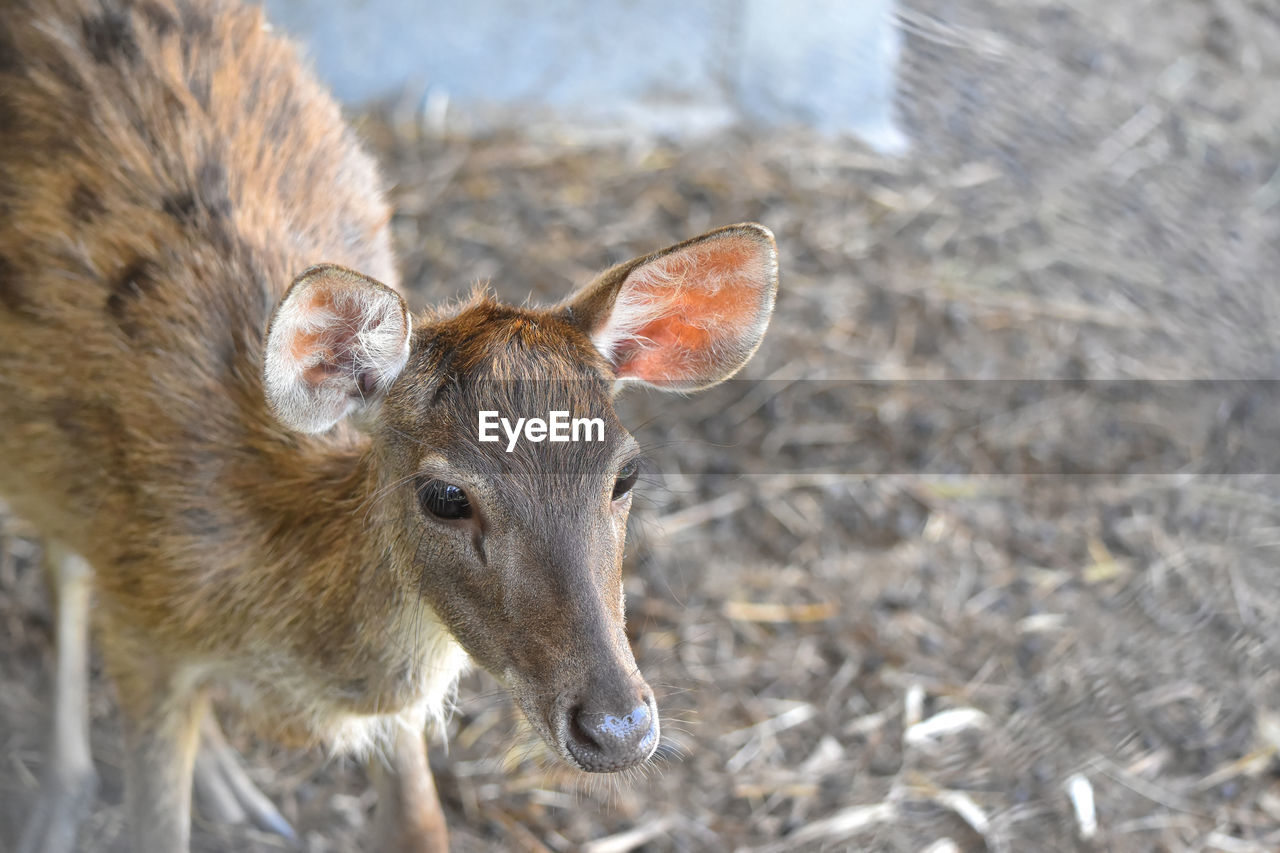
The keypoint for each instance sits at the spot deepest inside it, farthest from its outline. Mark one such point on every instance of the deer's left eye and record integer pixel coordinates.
(626, 479)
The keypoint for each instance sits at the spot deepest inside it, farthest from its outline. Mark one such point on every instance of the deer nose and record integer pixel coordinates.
(604, 742)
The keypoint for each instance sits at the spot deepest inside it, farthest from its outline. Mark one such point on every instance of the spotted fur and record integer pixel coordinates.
(172, 412)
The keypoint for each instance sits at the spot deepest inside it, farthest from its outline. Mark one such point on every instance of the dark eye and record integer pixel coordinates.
(626, 479)
(444, 500)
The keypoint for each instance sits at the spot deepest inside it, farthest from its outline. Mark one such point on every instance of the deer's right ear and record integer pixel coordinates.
(337, 341)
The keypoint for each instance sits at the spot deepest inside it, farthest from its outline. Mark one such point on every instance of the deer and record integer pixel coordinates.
(258, 474)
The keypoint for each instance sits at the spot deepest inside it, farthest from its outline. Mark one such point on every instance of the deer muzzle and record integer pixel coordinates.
(605, 731)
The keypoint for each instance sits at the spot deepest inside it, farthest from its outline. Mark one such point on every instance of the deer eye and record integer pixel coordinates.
(626, 479)
(443, 500)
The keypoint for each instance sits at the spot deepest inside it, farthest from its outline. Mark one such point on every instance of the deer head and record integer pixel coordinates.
(517, 545)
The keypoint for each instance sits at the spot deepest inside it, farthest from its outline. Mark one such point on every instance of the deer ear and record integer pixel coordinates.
(337, 341)
(688, 316)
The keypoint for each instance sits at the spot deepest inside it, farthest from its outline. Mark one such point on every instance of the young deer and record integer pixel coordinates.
(281, 494)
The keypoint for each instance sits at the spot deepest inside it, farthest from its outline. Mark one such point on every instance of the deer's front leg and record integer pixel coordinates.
(68, 781)
(224, 791)
(161, 721)
(409, 818)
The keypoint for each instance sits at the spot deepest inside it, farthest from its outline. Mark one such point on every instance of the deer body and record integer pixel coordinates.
(324, 542)
(140, 266)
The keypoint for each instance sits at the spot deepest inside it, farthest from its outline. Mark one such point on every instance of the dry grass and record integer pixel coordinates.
(882, 610)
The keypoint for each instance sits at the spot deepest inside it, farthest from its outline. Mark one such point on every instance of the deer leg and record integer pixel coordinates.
(161, 721)
(68, 782)
(409, 818)
(224, 791)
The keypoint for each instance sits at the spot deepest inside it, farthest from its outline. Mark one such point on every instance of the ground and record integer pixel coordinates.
(965, 537)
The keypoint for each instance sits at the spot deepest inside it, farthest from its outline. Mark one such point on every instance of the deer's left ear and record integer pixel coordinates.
(688, 316)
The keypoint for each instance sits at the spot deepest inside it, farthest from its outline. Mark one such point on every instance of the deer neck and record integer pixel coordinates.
(341, 560)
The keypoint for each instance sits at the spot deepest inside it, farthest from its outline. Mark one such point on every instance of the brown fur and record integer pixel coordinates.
(153, 205)
(166, 168)
(160, 163)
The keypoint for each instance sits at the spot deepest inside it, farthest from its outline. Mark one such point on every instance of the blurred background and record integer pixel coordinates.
(980, 551)
(618, 67)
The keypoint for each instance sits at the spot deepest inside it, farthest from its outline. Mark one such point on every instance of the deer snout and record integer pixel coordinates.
(608, 731)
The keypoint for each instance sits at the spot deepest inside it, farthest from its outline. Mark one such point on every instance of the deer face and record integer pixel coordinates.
(521, 541)
(517, 543)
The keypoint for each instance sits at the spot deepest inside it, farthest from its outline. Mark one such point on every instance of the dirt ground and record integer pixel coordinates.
(966, 539)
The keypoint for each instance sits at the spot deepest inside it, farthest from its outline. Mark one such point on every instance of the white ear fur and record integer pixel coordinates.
(336, 343)
(639, 302)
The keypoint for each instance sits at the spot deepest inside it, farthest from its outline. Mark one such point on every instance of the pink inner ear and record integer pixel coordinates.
(328, 327)
(318, 373)
(694, 310)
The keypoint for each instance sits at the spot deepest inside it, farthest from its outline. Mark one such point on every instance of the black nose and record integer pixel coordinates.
(605, 742)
